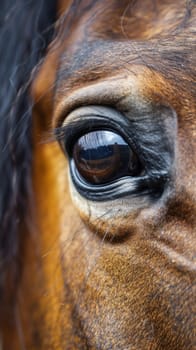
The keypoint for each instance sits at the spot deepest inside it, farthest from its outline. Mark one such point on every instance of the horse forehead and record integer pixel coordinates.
(102, 38)
(87, 62)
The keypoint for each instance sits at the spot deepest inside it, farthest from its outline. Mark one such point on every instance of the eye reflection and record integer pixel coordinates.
(104, 156)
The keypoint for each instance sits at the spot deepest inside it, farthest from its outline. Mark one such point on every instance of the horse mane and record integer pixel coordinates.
(26, 28)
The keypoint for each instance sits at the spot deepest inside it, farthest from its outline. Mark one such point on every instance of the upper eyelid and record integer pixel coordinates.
(96, 93)
(91, 118)
(147, 134)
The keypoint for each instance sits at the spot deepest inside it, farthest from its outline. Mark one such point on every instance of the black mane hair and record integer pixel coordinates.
(26, 28)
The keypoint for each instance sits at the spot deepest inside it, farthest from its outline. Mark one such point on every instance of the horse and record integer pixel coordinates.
(97, 199)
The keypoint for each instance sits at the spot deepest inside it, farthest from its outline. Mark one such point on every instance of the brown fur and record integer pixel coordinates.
(80, 289)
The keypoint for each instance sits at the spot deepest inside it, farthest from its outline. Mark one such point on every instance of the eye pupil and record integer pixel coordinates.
(103, 156)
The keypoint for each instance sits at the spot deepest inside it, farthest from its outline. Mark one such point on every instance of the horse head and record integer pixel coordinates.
(106, 236)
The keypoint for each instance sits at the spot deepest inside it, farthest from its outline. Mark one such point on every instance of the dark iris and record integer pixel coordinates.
(104, 156)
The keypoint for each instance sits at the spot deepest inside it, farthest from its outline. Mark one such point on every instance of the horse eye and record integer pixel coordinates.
(103, 156)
